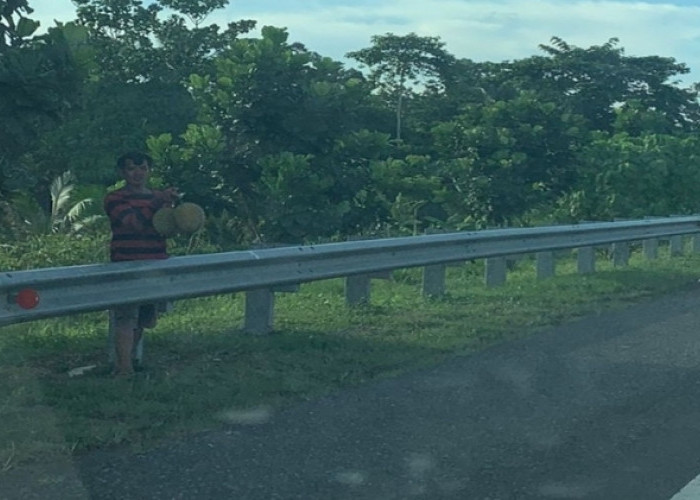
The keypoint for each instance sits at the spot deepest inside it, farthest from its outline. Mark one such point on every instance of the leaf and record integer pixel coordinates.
(26, 27)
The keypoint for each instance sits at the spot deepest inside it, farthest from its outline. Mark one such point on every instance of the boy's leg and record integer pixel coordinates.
(147, 318)
(136, 350)
(125, 319)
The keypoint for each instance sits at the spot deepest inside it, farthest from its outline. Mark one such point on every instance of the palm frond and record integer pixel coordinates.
(86, 222)
(76, 211)
(60, 191)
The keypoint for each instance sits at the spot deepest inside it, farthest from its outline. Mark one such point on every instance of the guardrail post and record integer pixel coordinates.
(651, 248)
(676, 242)
(357, 290)
(495, 271)
(259, 311)
(621, 254)
(676, 245)
(586, 260)
(358, 287)
(696, 242)
(545, 265)
(621, 249)
(111, 340)
(434, 280)
(585, 256)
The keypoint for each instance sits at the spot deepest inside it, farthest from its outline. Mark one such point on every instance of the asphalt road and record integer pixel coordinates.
(604, 408)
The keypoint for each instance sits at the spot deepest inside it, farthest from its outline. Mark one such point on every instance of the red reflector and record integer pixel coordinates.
(27, 298)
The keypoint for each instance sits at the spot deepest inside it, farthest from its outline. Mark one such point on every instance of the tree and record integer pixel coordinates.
(273, 117)
(593, 82)
(503, 158)
(136, 44)
(402, 65)
(143, 63)
(40, 82)
(634, 176)
(15, 27)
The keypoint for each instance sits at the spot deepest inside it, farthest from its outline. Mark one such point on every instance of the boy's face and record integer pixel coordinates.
(136, 175)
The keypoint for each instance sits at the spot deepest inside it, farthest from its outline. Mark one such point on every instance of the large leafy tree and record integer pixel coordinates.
(502, 158)
(273, 139)
(40, 83)
(138, 43)
(634, 176)
(121, 30)
(402, 66)
(594, 81)
(15, 26)
(138, 85)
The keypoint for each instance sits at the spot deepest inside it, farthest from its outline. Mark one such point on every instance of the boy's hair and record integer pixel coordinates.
(136, 157)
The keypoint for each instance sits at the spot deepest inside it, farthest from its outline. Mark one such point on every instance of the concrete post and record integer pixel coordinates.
(676, 245)
(434, 280)
(357, 290)
(259, 311)
(545, 265)
(621, 254)
(696, 242)
(586, 260)
(495, 271)
(651, 248)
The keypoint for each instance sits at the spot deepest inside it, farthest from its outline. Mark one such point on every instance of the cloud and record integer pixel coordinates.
(499, 30)
(481, 30)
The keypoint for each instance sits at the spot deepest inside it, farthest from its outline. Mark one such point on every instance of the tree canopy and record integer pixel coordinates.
(283, 144)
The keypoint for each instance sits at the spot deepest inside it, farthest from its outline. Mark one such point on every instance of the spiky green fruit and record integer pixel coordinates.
(164, 222)
(189, 217)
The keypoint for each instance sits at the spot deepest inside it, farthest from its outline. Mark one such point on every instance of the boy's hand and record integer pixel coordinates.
(170, 195)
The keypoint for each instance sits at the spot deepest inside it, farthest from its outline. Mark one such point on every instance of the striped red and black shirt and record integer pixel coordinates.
(131, 217)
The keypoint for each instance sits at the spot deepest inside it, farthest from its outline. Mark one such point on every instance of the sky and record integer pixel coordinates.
(480, 30)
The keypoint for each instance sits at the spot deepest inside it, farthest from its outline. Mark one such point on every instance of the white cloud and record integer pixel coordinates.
(476, 29)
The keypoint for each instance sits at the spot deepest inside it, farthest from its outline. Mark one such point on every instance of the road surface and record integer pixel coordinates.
(607, 407)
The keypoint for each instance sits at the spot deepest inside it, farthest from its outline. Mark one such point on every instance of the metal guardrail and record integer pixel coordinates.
(42, 293)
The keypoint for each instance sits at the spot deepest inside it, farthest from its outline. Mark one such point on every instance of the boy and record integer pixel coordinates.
(130, 211)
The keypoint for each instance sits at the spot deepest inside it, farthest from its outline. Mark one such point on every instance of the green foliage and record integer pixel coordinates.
(141, 64)
(281, 144)
(298, 199)
(40, 82)
(501, 158)
(65, 214)
(120, 30)
(196, 10)
(408, 191)
(399, 63)
(14, 26)
(54, 250)
(592, 82)
(270, 114)
(627, 176)
(403, 65)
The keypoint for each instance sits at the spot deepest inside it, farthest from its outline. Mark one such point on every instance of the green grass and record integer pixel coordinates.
(203, 369)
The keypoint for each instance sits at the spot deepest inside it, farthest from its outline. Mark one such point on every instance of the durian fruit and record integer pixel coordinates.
(164, 222)
(189, 217)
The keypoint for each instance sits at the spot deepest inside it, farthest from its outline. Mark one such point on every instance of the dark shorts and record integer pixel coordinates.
(141, 315)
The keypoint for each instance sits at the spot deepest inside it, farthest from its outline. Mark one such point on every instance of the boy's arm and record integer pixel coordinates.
(166, 197)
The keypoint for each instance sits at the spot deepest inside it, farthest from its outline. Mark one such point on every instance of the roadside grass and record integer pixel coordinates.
(205, 373)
